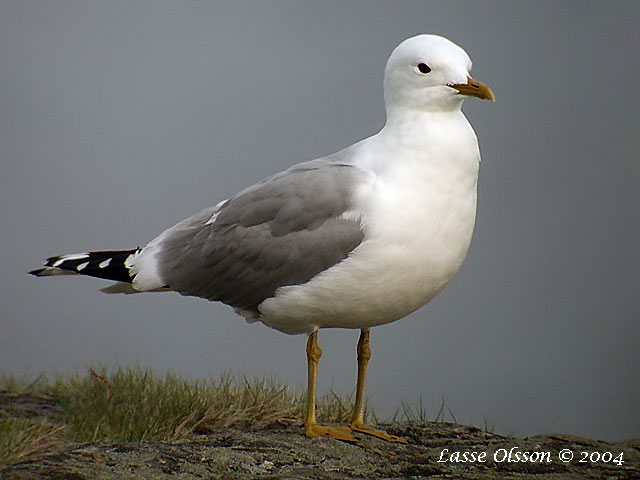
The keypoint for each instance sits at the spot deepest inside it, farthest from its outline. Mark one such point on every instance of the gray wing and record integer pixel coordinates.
(282, 231)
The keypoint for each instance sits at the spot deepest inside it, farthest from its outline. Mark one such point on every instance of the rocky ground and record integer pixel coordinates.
(283, 452)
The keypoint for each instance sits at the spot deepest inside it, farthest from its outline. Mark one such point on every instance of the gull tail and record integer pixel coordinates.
(110, 265)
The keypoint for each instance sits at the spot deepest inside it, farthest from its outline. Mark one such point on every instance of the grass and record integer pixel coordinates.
(419, 413)
(135, 404)
(20, 437)
(132, 404)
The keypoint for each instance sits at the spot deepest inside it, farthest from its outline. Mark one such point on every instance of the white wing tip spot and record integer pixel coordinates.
(74, 256)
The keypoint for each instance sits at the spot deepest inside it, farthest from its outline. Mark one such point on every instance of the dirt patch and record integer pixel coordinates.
(284, 452)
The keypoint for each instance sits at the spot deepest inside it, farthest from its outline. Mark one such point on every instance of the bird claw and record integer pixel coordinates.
(361, 428)
(339, 433)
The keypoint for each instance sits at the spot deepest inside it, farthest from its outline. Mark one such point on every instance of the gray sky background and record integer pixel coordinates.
(118, 119)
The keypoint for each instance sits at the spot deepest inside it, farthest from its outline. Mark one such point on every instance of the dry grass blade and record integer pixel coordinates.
(250, 402)
(21, 437)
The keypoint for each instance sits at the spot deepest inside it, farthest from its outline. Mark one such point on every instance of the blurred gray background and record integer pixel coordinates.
(118, 119)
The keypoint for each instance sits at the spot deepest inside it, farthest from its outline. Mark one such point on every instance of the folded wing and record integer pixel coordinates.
(282, 231)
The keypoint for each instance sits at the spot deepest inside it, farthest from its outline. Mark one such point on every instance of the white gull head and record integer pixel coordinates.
(429, 73)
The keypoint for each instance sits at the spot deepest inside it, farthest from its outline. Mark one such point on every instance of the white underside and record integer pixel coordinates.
(418, 216)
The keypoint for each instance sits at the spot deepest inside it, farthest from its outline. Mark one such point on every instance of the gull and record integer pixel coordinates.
(353, 240)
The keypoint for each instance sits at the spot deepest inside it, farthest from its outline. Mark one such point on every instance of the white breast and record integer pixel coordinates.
(418, 217)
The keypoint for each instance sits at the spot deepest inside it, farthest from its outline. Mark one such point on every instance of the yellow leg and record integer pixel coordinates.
(357, 419)
(311, 427)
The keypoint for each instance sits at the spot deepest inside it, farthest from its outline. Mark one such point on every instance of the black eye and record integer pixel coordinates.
(424, 68)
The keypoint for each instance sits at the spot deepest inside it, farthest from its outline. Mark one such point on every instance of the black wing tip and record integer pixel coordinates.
(51, 260)
(37, 272)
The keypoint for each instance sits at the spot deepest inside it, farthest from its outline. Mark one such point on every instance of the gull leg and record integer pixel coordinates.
(311, 427)
(357, 419)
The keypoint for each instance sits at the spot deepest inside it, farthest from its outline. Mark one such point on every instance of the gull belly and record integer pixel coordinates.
(418, 215)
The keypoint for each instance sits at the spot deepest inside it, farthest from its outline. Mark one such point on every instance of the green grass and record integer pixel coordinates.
(132, 404)
(419, 414)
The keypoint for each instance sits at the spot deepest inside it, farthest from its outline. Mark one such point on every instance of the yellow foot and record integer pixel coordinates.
(339, 433)
(358, 427)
